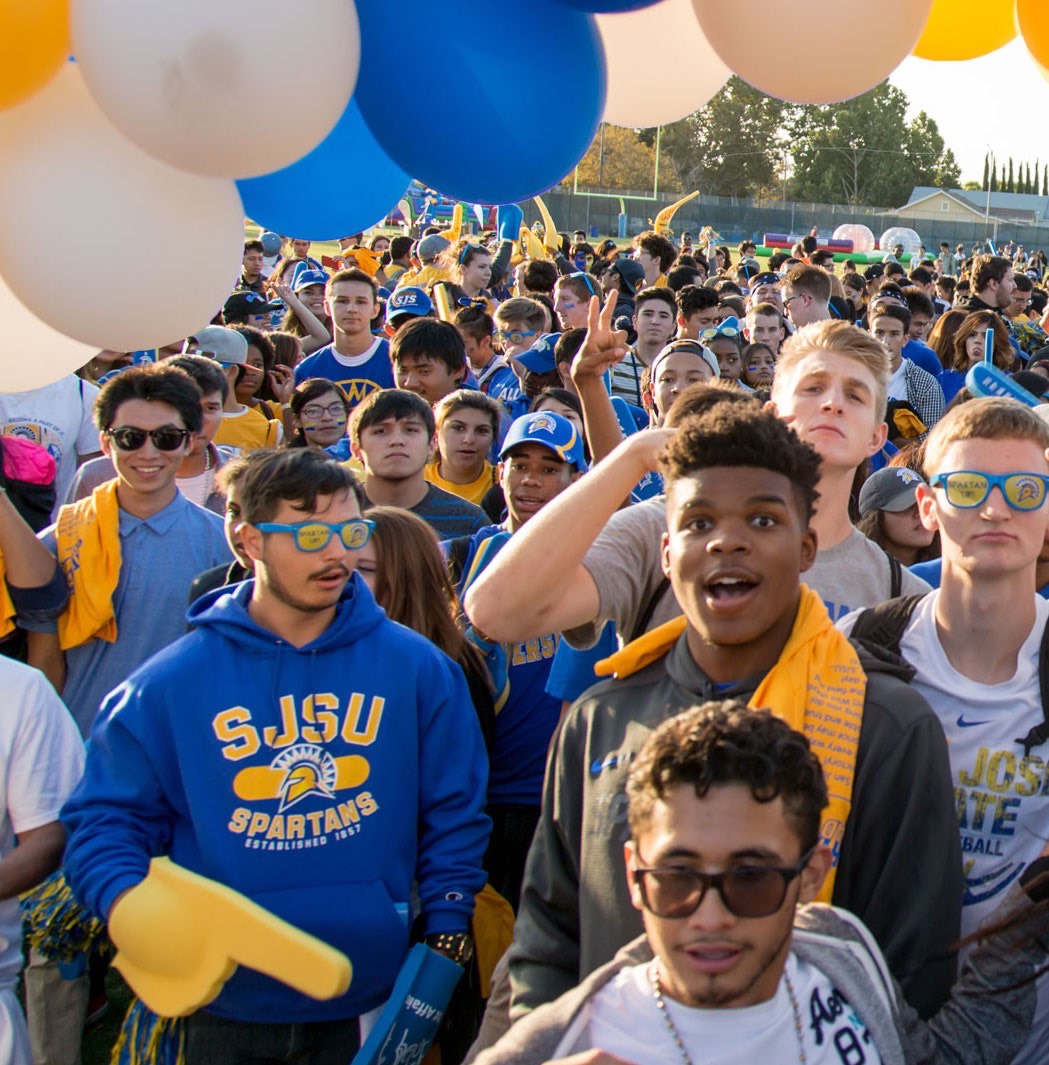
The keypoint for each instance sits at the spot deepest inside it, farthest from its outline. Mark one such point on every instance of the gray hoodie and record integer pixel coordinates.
(977, 1026)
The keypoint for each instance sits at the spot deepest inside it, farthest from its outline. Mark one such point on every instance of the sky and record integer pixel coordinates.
(991, 103)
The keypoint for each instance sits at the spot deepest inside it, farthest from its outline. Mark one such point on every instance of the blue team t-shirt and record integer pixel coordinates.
(528, 719)
(359, 375)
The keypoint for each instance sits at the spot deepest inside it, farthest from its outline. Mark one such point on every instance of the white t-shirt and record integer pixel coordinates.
(1003, 797)
(898, 382)
(623, 1019)
(41, 760)
(57, 416)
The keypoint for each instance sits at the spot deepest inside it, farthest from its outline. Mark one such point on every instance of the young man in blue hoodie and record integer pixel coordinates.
(331, 760)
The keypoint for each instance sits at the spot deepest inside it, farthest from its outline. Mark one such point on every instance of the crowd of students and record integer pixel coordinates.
(583, 580)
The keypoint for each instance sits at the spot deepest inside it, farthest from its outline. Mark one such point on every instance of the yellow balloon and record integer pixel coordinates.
(1033, 21)
(965, 29)
(34, 43)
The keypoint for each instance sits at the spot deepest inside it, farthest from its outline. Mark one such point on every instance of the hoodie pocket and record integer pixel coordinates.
(360, 919)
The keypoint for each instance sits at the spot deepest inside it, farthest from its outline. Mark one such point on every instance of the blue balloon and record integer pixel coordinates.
(462, 118)
(607, 7)
(344, 185)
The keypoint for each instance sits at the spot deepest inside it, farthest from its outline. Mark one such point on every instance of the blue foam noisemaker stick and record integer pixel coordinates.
(408, 1023)
(988, 346)
(984, 379)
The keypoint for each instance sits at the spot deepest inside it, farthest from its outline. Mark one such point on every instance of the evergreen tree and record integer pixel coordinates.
(1010, 185)
(1027, 178)
(986, 172)
(994, 176)
(1036, 184)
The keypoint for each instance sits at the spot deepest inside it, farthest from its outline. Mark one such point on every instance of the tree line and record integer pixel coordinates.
(1020, 181)
(864, 151)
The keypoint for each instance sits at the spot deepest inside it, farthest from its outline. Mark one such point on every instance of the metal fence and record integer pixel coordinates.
(736, 219)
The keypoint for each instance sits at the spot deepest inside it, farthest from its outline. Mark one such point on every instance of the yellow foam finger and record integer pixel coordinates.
(453, 233)
(664, 218)
(181, 936)
(551, 239)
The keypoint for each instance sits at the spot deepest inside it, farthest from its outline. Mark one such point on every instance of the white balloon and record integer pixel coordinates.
(34, 354)
(813, 51)
(862, 238)
(676, 74)
(102, 241)
(900, 235)
(226, 88)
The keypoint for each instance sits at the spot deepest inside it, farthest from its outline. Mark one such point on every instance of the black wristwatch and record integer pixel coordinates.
(459, 946)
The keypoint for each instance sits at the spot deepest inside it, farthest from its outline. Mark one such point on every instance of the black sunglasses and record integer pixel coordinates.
(130, 438)
(746, 890)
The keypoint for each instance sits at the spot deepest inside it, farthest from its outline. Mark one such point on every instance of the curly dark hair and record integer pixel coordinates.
(728, 743)
(741, 434)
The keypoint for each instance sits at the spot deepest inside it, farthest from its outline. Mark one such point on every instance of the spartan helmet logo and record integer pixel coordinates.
(308, 770)
(542, 422)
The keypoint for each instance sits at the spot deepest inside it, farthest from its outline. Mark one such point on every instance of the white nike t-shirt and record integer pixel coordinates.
(1002, 795)
(623, 1019)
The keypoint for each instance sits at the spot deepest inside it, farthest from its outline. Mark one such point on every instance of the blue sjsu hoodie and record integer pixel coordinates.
(316, 780)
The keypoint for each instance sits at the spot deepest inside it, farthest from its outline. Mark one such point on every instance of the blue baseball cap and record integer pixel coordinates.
(409, 300)
(552, 431)
(306, 278)
(539, 358)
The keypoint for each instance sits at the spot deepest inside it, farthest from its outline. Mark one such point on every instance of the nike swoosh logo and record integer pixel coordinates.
(962, 723)
(598, 766)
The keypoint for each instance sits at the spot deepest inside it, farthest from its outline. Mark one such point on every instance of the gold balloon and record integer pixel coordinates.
(811, 52)
(966, 29)
(34, 43)
(1033, 21)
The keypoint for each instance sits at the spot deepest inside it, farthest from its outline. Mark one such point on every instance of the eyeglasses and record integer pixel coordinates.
(515, 336)
(586, 281)
(317, 411)
(788, 300)
(966, 489)
(314, 535)
(131, 438)
(722, 330)
(745, 891)
(467, 249)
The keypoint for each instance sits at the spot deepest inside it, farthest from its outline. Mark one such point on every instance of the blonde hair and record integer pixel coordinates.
(836, 338)
(990, 418)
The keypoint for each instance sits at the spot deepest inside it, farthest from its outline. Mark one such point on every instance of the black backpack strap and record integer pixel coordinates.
(895, 576)
(884, 625)
(643, 619)
(1040, 733)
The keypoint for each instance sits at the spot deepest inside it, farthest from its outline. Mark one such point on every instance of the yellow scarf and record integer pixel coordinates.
(7, 606)
(87, 539)
(817, 686)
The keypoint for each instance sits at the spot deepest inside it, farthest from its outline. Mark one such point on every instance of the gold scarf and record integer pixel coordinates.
(87, 541)
(818, 687)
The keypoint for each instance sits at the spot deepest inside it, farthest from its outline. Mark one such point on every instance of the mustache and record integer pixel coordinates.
(329, 571)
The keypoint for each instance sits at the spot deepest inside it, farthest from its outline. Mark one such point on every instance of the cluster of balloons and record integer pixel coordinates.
(137, 134)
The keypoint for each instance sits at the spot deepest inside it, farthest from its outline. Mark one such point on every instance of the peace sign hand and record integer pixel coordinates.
(603, 347)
